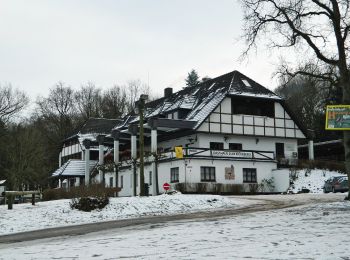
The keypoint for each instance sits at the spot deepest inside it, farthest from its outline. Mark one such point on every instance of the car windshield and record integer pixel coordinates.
(335, 178)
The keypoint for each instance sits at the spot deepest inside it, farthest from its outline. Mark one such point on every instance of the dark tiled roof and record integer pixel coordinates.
(202, 99)
(99, 125)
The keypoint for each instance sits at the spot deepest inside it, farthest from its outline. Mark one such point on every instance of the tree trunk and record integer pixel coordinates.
(347, 157)
(346, 101)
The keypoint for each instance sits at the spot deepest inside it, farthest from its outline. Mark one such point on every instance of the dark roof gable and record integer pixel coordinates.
(200, 100)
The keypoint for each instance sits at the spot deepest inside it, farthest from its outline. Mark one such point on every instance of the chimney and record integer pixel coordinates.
(168, 92)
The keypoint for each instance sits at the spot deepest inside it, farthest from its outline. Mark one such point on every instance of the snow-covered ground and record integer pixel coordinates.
(25, 217)
(312, 180)
(317, 231)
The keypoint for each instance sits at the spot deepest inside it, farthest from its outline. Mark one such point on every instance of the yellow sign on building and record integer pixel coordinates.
(179, 152)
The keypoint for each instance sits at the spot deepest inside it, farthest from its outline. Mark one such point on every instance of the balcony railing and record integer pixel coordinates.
(206, 153)
(194, 152)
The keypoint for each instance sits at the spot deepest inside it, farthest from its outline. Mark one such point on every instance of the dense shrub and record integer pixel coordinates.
(95, 190)
(267, 185)
(216, 188)
(180, 187)
(55, 194)
(89, 203)
(253, 188)
(201, 187)
(235, 189)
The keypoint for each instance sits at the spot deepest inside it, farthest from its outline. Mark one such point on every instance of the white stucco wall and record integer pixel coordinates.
(189, 172)
(281, 180)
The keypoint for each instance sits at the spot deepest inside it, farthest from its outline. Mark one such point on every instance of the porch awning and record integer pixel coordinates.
(73, 168)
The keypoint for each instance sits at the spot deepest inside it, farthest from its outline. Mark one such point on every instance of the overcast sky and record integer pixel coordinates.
(111, 42)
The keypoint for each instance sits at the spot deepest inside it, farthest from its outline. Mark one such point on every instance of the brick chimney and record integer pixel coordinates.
(168, 92)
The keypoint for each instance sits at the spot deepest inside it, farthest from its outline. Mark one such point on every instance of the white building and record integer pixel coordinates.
(233, 131)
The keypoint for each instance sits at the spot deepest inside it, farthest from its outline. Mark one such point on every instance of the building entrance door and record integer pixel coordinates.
(279, 150)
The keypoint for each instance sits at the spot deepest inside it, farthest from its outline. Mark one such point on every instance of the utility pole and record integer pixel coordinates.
(141, 106)
(133, 131)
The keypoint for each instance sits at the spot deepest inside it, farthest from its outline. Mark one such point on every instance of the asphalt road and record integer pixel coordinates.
(263, 203)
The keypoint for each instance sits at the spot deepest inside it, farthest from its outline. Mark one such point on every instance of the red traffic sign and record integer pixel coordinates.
(166, 186)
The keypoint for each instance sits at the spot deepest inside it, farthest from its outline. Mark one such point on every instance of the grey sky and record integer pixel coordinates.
(111, 42)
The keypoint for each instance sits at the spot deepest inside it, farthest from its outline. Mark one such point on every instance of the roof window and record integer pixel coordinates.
(246, 83)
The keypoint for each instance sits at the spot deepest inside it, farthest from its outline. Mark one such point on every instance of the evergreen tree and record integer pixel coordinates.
(192, 79)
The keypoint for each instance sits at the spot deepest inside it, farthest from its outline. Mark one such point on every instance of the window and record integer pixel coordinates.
(111, 182)
(216, 146)
(174, 174)
(150, 178)
(207, 173)
(235, 146)
(121, 181)
(253, 106)
(249, 175)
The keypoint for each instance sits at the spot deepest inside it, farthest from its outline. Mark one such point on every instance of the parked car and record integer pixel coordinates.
(336, 184)
(342, 185)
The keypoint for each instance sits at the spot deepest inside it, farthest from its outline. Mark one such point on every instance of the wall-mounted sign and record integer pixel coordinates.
(220, 153)
(233, 154)
(230, 173)
(338, 117)
(179, 152)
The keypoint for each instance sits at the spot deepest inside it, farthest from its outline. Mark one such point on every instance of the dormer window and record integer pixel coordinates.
(178, 114)
(246, 83)
(253, 106)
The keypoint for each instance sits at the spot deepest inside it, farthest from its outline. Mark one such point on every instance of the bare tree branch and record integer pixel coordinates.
(12, 101)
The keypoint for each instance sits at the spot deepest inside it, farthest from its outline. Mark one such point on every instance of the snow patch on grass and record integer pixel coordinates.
(312, 180)
(25, 217)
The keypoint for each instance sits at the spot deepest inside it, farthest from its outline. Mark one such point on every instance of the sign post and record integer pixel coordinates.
(166, 187)
(338, 117)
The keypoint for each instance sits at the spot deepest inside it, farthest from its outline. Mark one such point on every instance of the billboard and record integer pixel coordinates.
(338, 117)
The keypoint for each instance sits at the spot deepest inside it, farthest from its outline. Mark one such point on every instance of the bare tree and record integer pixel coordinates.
(134, 89)
(12, 101)
(57, 112)
(318, 29)
(25, 157)
(89, 101)
(114, 102)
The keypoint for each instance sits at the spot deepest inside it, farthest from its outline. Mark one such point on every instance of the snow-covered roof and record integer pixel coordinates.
(73, 168)
(94, 127)
(202, 99)
(193, 104)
